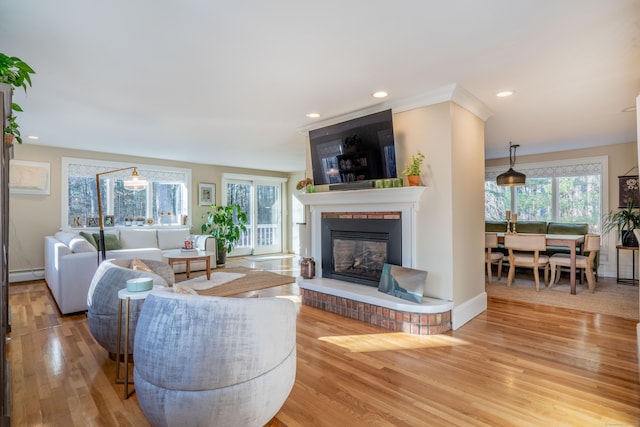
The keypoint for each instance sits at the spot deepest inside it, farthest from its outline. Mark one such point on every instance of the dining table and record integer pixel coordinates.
(571, 241)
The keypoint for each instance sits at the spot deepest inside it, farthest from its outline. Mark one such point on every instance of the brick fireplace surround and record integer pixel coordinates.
(365, 303)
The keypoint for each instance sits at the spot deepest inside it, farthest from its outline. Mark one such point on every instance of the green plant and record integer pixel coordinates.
(226, 224)
(624, 220)
(16, 73)
(413, 168)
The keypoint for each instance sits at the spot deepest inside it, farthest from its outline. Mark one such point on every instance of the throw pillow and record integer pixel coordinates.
(111, 241)
(80, 244)
(183, 290)
(137, 264)
(89, 238)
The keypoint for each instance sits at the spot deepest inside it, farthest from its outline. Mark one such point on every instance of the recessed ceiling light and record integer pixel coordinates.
(380, 94)
(33, 137)
(504, 93)
(313, 115)
(629, 109)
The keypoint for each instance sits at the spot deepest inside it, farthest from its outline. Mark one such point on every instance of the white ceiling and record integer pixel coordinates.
(229, 83)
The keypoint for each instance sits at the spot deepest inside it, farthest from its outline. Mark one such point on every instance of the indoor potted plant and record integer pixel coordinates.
(412, 171)
(15, 73)
(226, 224)
(624, 221)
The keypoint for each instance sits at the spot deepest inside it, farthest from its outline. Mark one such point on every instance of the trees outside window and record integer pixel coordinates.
(167, 191)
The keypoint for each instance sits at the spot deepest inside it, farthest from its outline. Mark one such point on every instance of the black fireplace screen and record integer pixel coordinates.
(356, 250)
(362, 258)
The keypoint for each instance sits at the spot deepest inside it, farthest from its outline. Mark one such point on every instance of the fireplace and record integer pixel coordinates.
(355, 246)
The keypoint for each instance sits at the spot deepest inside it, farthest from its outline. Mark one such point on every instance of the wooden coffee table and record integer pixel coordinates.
(177, 255)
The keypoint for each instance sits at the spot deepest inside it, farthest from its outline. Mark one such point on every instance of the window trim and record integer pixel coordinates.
(553, 170)
(109, 165)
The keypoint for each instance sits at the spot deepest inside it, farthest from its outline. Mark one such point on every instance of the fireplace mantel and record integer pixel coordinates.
(400, 199)
(378, 196)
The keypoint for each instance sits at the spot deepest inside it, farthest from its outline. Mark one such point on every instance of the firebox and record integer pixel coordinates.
(355, 250)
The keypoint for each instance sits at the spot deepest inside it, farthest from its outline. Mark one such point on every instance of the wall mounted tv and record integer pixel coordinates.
(354, 153)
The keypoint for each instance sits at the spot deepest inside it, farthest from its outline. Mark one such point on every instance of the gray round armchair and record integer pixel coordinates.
(102, 298)
(201, 360)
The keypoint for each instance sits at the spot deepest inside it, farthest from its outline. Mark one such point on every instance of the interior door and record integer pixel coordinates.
(261, 199)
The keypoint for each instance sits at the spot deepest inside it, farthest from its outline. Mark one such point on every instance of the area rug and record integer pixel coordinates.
(269, 257)
(609, 298)
(252, 280)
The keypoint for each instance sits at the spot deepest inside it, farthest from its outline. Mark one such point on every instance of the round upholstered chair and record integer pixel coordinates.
(102, 298)
(205, 361)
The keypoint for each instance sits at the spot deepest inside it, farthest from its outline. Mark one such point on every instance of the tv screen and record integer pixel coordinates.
(357, 150)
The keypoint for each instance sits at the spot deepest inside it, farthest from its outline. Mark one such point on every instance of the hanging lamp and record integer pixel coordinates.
(511, 178)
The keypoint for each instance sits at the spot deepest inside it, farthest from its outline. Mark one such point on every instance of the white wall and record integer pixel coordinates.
(450, 225)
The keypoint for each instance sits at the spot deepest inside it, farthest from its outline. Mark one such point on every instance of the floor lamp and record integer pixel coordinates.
(134, 183)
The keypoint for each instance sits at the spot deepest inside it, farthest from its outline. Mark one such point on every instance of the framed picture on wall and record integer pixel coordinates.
(206, 194)
(629, 191)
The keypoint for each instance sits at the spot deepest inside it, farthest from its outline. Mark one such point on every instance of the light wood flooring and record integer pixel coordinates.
(517, 364)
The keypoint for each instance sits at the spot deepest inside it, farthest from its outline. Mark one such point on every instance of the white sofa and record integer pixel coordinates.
(70, 261)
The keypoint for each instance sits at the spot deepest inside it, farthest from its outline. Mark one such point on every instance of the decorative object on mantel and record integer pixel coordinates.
(412, 171)
(511, 178)
(16, 73)
(306, 185)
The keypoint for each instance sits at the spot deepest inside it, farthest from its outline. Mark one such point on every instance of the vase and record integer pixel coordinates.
(629, 239)
(414, 180)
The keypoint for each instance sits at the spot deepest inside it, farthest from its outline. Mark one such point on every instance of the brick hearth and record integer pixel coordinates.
(366, 304)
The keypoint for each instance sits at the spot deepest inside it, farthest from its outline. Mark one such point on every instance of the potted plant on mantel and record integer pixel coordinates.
(226, 224)
(624, 221)
(15, 73)
(412, 171)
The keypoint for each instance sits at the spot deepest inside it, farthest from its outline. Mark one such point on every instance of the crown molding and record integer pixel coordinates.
(449, 93)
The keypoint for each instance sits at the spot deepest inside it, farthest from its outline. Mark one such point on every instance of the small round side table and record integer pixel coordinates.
(126, 296)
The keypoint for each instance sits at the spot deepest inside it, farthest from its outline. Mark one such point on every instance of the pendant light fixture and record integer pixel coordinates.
(511, 178)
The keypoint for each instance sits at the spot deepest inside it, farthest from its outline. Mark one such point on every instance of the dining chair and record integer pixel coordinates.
(524, 251)
(491, 257)
(584, 262)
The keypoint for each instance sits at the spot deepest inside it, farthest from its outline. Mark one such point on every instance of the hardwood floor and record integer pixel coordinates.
(517, 364)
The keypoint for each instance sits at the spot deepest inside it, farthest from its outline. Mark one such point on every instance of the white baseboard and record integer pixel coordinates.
(468, 310)
(25, 276)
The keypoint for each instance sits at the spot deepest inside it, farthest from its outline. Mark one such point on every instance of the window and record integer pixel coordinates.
(569, 191)
(165, 200)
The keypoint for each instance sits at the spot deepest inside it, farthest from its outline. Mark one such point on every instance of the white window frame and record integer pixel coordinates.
(557, 168)
(102, 165)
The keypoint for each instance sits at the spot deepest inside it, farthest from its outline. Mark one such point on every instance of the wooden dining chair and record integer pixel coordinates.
(524, 251)
(491, 257)
(585, 262)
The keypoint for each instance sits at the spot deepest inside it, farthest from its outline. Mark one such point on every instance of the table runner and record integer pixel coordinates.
(252, 281)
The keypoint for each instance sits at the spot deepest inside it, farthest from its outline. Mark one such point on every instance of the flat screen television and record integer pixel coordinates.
(357, 151)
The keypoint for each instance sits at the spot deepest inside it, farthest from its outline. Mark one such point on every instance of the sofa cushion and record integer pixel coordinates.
(79, 244)
(135, 239)
(495, 226)
(567, 228)
(535, 227)
(111, 241)
(65, 237)
(172, 238)
(89, 238)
